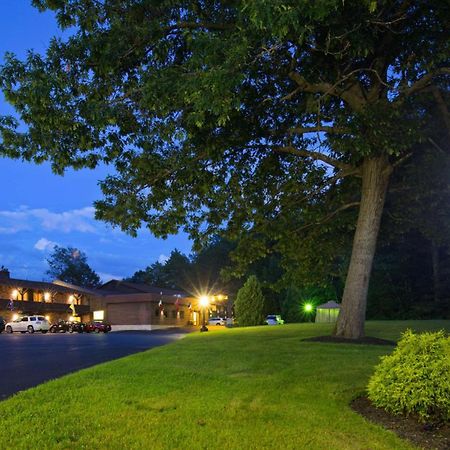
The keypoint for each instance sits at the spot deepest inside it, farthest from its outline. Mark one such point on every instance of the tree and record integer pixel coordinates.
(70, 265)
(412, 265)
(208, 266)
(173, 274)
(225, 116)
(249, 304)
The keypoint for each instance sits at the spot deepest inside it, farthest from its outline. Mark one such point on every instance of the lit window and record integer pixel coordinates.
(99, 315)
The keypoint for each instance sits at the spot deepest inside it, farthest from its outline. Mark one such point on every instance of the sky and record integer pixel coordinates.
(39, 209)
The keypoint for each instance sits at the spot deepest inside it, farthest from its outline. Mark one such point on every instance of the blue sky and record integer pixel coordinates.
(39, 209)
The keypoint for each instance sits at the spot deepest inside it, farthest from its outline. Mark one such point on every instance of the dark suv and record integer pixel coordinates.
(2, 324)
(77, 327)
(61, 325)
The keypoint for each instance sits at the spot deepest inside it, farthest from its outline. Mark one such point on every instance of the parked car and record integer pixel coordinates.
(97, 327)
(273, 319)
(2, 324)
(60, 326)
(77, 327)
(28, 324)
(216, 321)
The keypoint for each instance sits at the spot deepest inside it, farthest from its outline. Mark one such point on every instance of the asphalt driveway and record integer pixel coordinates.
(27, 360)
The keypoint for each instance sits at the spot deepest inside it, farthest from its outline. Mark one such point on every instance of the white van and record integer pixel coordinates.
(28, 324)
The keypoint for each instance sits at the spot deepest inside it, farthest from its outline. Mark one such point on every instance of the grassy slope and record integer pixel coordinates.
(243, 388)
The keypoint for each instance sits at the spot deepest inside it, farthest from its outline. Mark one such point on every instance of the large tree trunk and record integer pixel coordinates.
(375, 179)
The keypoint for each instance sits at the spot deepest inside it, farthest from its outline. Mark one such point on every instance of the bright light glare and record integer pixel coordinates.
(15, 293)
(204, 301)
(308, 307)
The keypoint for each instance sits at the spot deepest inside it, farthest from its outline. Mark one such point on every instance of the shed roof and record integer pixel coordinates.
(329, 305)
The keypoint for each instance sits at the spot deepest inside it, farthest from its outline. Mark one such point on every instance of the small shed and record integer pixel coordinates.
(327, 312)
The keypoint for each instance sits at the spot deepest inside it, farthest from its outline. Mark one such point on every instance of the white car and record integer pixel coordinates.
(216, 321)
(28, 324)
(274, 319)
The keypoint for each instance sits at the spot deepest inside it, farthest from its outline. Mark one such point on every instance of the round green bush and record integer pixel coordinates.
(415, 378)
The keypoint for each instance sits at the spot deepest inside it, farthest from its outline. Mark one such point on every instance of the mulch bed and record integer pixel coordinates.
(367, 340)
(427, 436)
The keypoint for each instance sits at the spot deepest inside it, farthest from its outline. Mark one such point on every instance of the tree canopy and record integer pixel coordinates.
(171, 274)
(239, 116)
(70, 265)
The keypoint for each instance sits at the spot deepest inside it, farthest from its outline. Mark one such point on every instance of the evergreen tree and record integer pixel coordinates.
(249, 305)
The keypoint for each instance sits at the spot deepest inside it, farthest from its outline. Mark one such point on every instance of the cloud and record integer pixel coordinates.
(81, 220)
(163, 258)
(44, 244)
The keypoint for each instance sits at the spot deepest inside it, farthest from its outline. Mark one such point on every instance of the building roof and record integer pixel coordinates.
(329, 305)
(43, 285)
(74, 287)
(125, 287)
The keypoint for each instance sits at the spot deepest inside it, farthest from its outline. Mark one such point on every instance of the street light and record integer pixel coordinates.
(204, 301)
(308, 308)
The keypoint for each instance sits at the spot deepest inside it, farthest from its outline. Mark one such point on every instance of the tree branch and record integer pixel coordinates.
(400, 161)
(315, 156)
(423, 82)
(205, 25)
(328, 216)
(442, 106)
(351, 95)
(311, 129)
(318, 129)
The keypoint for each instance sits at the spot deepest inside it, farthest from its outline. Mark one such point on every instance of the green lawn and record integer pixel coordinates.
(248, 388)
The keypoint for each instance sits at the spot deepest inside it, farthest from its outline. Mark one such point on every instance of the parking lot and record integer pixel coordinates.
(27, 360)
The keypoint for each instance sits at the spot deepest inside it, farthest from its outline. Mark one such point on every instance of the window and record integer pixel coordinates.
(33, 319)
(181, 314)
(99, 315)
(24, 319)
(174, 314)
(41, 318)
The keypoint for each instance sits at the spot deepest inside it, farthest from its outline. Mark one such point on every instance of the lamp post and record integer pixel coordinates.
(204, 301)
(308, 308)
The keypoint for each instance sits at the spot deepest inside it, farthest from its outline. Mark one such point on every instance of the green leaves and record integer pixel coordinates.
(190, 106)
(249, 304)
(70, 265)
(415, 378)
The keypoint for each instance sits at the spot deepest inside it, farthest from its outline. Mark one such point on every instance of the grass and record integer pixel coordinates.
(248, 388)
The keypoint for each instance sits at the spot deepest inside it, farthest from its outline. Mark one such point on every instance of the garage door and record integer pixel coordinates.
(128, 314)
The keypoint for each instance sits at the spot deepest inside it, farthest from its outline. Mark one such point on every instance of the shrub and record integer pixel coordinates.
(249, 304)
(415, 378)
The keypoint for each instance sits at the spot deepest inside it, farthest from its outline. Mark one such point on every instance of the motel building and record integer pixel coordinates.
(55, 300)
(139, 306)
(126, 306)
